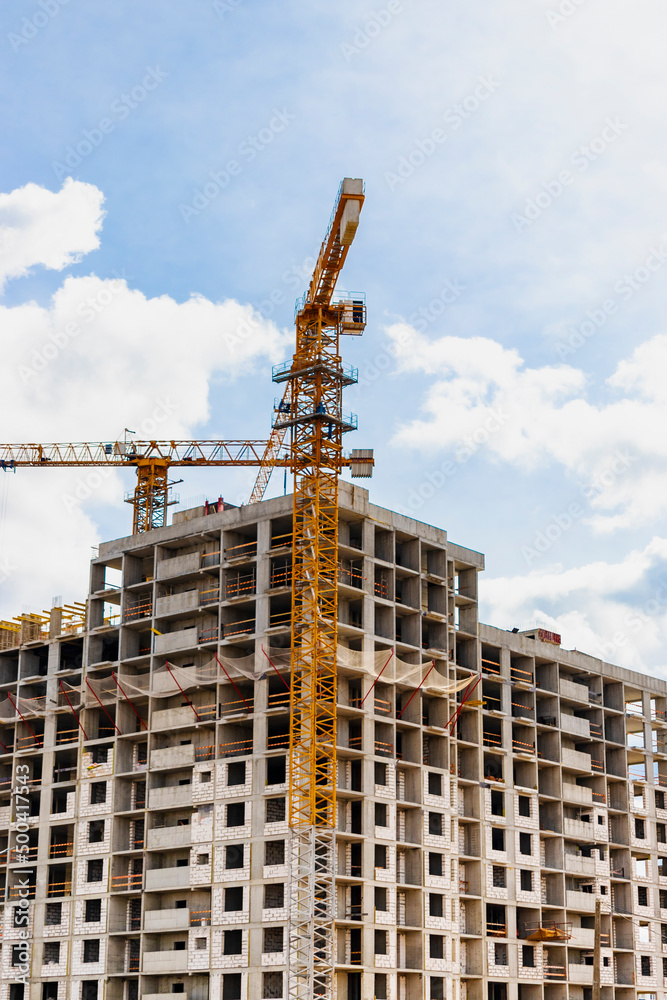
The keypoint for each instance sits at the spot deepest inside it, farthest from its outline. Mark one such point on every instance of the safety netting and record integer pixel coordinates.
(170, 680)
(383, 664)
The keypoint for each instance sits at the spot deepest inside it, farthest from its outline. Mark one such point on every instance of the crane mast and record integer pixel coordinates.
(317, 424)
(273, 449)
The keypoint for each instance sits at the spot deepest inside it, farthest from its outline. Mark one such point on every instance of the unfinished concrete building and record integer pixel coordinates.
(472, 842)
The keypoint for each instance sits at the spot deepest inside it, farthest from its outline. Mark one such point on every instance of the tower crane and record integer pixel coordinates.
(273, 448)
(317, 423)
(152, 460)
(311, 412)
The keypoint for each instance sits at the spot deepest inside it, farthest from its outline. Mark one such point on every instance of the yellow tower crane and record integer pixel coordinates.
(273, 448)
(311, 411)
(151, 459)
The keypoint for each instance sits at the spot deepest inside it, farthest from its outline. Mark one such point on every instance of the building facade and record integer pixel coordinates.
(491, 785)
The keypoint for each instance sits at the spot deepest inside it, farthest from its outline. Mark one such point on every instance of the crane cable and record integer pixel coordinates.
(3, 514)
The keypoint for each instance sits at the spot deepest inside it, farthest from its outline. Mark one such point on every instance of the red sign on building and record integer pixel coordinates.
(545, 636)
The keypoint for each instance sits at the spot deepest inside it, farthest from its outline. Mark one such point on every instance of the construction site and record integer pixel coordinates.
(274, 754)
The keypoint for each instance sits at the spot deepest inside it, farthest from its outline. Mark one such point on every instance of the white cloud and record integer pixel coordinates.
(644, 372)
(531, 417)
(54, 230)
(99, 357)
(617, 611)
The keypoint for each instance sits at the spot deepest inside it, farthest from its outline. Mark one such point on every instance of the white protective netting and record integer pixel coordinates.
(391, 668)
(26, 706)
(171, 680)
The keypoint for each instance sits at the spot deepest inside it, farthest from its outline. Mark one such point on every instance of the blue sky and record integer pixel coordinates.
(176, 164)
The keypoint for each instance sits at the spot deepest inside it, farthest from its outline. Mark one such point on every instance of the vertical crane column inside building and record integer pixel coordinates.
(317, 426)
(151, 495)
